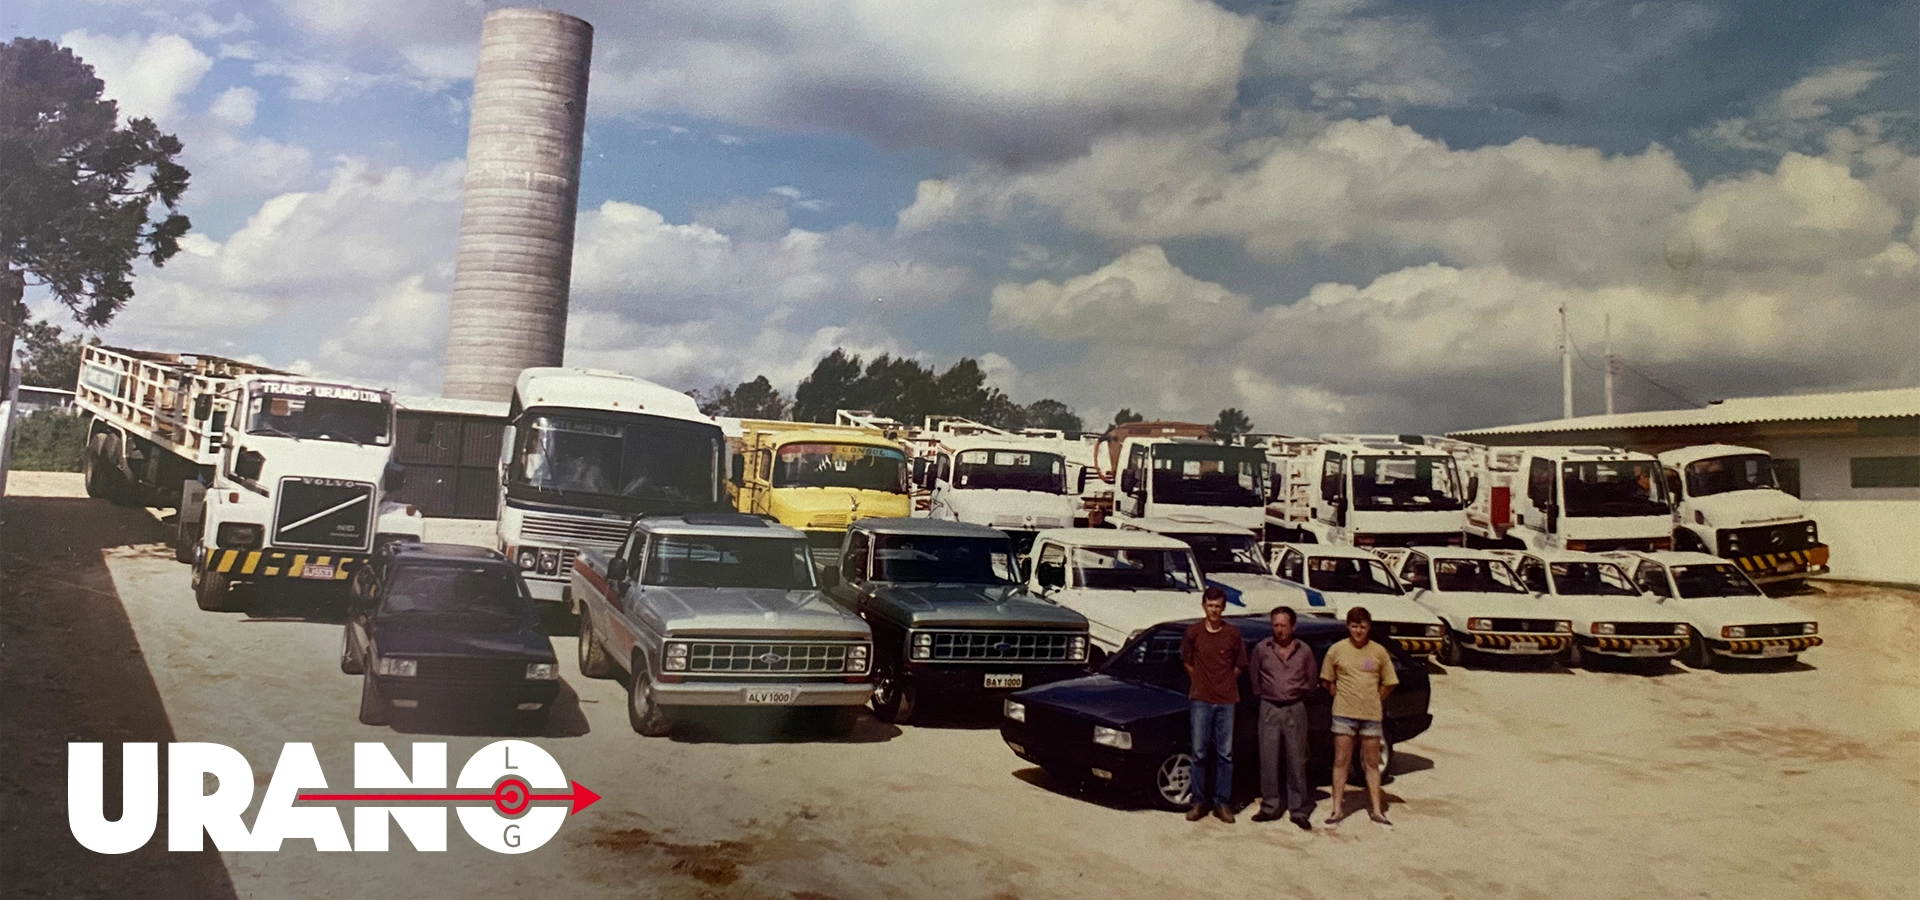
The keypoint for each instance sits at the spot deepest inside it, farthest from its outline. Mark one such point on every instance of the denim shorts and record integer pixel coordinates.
(1364, 727)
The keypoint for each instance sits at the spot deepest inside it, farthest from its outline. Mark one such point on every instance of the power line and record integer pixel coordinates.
(1642, 375)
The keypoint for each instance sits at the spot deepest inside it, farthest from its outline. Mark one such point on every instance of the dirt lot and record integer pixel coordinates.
(1771, 782)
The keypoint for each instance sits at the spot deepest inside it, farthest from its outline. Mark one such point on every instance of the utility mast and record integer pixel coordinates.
(1609, 352)
(1566, 366)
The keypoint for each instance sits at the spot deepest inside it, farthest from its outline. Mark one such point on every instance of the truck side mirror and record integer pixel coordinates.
(248, 464)
(1473, 487)
(1129, 481)
(394, 478)
(738, 471)
(202, 406)
(1052, 576)
(616, 570)
(828, 576)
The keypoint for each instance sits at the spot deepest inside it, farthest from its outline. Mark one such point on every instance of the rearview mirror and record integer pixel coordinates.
(738, 471)
(828, 576)
(1129, 482)
(202, 406)
(247, 464)
(617, 570)
(394, 478)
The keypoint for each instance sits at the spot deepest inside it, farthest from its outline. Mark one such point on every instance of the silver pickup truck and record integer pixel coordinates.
(716, 609)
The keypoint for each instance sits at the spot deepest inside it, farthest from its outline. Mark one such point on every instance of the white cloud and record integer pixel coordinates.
(1345, 53)
(1812, 97)
(1797, 117)
(148, 76)
(236, 107)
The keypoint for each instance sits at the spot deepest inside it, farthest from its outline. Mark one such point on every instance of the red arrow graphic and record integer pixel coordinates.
(510, 797)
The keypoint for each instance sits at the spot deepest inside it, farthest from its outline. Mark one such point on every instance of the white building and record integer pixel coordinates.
(1853, 457)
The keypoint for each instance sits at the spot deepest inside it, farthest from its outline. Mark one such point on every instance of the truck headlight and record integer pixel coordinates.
(243, 535)
(1680, 629)
(1117, 738)
(395, 667)
(1434, 631)
(527, 559)
(1479, 624)
(1810, 628)
(922, 646)
(549, 562)
(1813, 532)
(543, 671)
(1563, 626)
(1603, 628)
(1734, 631)
(857, 658)
(676, 658)
(1077, 648)
(1014, 709)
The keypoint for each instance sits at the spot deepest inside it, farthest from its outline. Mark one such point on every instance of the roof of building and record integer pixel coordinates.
(1898, 402)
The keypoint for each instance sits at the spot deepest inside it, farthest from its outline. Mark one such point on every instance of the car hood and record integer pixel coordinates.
(1616, 609)
(1107, 700)
(678, 611)
(1130, 611)
(1713, 612)
(316, 458)
(434, 636)
(972, 605)
(1503, 606)
(1739, 509)
(1259, 592)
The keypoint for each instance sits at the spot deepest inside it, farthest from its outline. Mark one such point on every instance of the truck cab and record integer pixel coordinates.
(950, 620)
(1162, 477)
(1483, 603)
(1728, 614)
(1727, 502)
(1369, 491)
(819, 478)
(1569, 498)
(1612, 617)
(1012, 483)
(1122, 581)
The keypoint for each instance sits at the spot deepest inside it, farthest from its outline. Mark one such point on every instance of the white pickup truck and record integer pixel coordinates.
(1611, 616)
(1727, 612)
(1123, 582)
(1481, 600)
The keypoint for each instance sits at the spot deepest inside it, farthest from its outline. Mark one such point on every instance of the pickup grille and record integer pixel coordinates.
(1539, 626)
(766, 659)
(1000, 646)
(602, 534)
(461, 669)
(1648, 629)
(323, 512)
(1794, 629)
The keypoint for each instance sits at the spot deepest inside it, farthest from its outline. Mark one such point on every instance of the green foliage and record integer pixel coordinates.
(1126, 415)
(48, 359)
(1232, 423)
(48, 441)
(907, 390)
(756, 399)
(1053, 414)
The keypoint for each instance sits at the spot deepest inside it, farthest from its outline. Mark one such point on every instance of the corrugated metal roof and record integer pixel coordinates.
(1735, 411)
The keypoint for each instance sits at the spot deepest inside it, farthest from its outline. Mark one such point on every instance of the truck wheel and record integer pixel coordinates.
(1172, 784)
(1451, 653)
(894, 698)
(213, 591)
(101, 469)
(373, 708)
(643, 712)
(1687, 541)
(186, 537)
(593, 657)
(349, 657)
(1697, 655)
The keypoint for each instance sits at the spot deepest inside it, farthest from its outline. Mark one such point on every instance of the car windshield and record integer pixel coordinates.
(1010, 470)
(1103, 568)
(665, 464)
(320, 412)
(456, 589)
(822, 465)
(1712, 580)
(931, 558)
(1225, 552)
(1591, 579)
(1350, 575)
(677, 560)
(1479, 575)
(1721, 474)
(1613, 489)
(1405, 483)
(1209, 475)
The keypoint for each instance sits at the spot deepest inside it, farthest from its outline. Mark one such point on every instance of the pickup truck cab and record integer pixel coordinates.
(716, 609)
(1728, 614)
(1123, 582)
(1482, 602)
(1334, 579)
(949, 619)
(1611, 616)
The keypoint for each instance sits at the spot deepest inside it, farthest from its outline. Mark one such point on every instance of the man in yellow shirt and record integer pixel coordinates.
(1359, 674)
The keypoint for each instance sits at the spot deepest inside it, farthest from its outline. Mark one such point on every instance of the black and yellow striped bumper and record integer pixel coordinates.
(1503, 643)
(1418, 645)
(1788, 563)
(1758, 646)
(1626, 646)
(280, 563)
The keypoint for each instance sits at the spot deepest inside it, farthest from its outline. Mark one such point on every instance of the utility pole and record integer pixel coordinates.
(1609, 351)
(1566, 366)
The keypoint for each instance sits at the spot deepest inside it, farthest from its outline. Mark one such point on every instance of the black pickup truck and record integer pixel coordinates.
(948, 618)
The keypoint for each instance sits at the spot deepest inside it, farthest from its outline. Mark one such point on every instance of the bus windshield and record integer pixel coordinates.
(1405, 483)
(320, 412)
(662, 462)
(1209, 475)
(855, 466)
(1010, 470)
(1721, 474)
(1614, 489)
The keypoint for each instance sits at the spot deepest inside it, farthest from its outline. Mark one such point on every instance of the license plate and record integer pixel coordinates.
(323, 573)
(772, 696)
(1786, 567)
(1006, 681)
(1644, 650)
(1776, 650)
(1524, 646)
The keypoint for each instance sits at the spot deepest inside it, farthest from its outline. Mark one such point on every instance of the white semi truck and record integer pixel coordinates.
(274, 475)
(1366, 491)
(1727, 502)
(1010, 482)
(584, 453)
(1566, 498)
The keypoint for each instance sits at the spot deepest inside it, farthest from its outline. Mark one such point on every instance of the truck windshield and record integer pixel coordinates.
(677, 560)
(1485, 576)
(1587, 579)
(1010, 470)
(664, 463)
(1722, 474)
(1712, 580)
(1102, 568)
(452, 590)
(320, 412)
(1350, 575)
(1405, 483)
(1209, 475)
(840, 466)
(1225, 552)
(1615, 489)
(936, 558)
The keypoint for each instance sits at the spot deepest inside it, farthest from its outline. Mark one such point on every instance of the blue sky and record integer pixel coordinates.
(1335, 214)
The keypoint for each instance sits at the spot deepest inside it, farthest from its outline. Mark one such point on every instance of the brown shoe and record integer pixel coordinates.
(1224, 814)
(1197, 812)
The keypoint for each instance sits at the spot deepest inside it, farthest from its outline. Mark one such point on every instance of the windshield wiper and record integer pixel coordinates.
(272, 430)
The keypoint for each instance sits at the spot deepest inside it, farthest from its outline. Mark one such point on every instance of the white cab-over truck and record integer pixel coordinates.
(1367, 491)
(1162, 477)
(1566, 498)
(274, 475)
(1012, 483)
(1727, 502)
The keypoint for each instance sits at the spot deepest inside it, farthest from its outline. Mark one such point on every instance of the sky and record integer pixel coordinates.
(1336, 215)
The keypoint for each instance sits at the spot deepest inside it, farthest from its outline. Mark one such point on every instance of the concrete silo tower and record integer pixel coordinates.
(522, 190)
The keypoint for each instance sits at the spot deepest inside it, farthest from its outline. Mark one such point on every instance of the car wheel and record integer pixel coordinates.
(1697, 655)
(1172, 786)
(1576, 657)
(643, 712)
(1451, 653)
(349, 656)
(894, 698)
(593, 657)
(213, 592)
(373, 708)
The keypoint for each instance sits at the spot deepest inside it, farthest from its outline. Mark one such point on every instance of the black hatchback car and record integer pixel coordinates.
(450, 629)
(1126, 725)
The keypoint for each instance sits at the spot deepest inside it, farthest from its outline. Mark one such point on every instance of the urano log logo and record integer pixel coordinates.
(511, 797)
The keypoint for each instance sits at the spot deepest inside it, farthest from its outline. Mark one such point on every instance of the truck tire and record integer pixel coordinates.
(1688, 542)
(100, 467)
(350, 663)
(213, 591)
(643, 712)
(894, 698)
(373, 708)
(593, 657)
(186, 539)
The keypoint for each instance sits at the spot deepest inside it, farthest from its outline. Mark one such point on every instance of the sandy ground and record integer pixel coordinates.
(1768, 782)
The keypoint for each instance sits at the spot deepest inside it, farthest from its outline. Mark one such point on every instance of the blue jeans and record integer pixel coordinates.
(1212, 743)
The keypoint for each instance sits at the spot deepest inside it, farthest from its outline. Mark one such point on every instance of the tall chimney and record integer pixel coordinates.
(511, 276)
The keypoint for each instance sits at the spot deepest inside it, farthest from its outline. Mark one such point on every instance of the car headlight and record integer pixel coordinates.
(1563, 626)
(1680, 629)
(543, 671)
(922, 646)
(1810, 628)
(1479, 624)
(1117, 738)
(1077, 648)
(244, 535)
(1014, 709)
(395, 667)
(527, 559)
(549, 562)
(1603, 628)
(1734, 631)
(857, 658)
(1434, 631)
(676, 658)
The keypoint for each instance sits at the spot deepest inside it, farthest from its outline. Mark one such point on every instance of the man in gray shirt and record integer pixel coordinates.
(1284, 673)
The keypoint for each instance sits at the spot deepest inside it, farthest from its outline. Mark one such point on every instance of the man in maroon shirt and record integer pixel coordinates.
(1284, 673)
(1215, 654)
